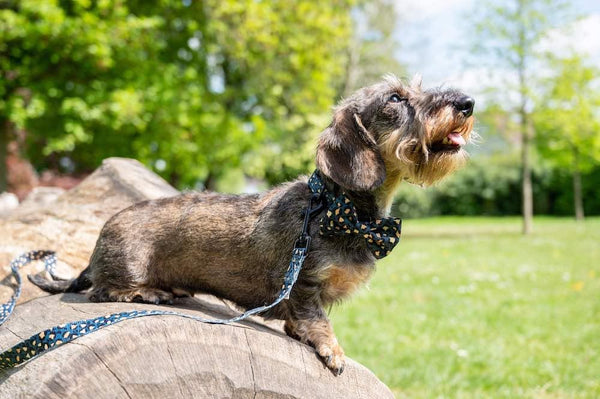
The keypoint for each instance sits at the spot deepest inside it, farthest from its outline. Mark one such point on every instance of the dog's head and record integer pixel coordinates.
(395, 129)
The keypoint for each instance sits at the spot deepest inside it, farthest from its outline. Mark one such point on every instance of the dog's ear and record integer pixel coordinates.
(348, 153)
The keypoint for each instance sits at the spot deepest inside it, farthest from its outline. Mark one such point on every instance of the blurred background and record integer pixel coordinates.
(230, 95)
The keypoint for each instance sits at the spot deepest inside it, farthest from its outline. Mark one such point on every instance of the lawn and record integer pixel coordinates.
(470, 308)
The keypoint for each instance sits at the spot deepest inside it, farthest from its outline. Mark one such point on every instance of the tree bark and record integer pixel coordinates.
(72, 221)
(172, 357)
(5, 130)
(577, 196)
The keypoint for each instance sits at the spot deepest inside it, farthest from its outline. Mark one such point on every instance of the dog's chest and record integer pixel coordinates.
(339, 282)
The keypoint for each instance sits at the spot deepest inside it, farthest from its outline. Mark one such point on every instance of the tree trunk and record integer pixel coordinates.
(527, 192)
(526, 176)
(210, 183)
(351, 69)
(172, 357)
(577, 197)
(5, 130)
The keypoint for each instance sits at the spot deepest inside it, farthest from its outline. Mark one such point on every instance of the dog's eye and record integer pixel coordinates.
(394, 98)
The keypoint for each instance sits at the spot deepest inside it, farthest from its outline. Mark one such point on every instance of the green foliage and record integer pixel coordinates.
(413, 202)
(191, 88)
(491, 186)
(567, 120)
(469, 308)
(70, 72)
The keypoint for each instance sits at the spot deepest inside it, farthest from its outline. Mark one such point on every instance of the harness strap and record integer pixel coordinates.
(61, 334)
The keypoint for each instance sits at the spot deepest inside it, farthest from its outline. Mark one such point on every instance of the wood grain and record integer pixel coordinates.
(172, 357)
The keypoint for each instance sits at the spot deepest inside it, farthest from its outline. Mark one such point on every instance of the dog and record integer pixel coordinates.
(238, 246)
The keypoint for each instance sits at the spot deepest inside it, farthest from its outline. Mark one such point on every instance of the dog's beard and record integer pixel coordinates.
(435, 166)
(427, 155)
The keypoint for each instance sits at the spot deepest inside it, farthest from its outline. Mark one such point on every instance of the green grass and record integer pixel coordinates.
(470, 308)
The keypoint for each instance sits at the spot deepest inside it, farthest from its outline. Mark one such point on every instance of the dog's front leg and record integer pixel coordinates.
(314, 328)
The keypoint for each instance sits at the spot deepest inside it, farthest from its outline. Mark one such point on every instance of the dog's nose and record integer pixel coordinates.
(465, 105)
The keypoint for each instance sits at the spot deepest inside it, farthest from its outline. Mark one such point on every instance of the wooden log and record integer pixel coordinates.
(150, 357)
(172, 357)
(70, 223)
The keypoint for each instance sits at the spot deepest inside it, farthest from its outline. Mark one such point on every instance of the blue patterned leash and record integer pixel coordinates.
(49, 258)
(61, 334)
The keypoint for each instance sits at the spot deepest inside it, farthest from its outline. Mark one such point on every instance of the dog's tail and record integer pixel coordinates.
(55, 286)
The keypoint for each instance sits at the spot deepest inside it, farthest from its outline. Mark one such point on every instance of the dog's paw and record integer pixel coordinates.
(181, 293)
(142, 295)
(333, 357)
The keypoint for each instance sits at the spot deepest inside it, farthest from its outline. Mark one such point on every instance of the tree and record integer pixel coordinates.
(366, 54)
(508, 34)
(65, 70)
(370, 53)
(191, 88)
(567, 120)
(287, 56)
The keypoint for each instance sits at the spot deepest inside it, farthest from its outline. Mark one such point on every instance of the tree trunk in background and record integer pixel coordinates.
(351, 70)
(526, 176)
(527, 192)
(577, 196)
(210, 183)
(5, 129)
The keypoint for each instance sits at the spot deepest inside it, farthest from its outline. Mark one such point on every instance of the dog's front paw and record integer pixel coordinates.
(333, 357)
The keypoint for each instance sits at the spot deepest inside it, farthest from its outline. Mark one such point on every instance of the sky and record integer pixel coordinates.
(435, 35)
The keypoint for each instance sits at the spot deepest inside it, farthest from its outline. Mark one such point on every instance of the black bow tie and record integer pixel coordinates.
(341, 218)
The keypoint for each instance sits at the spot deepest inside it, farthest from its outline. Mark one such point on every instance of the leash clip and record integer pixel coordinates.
(304, 240)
